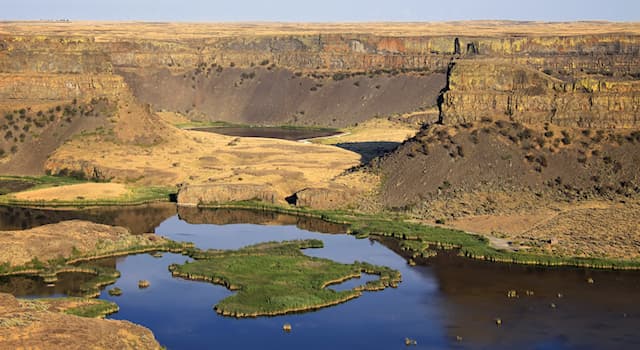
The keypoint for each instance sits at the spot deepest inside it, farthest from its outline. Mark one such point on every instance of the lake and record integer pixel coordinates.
(292, 134)
(444, 298)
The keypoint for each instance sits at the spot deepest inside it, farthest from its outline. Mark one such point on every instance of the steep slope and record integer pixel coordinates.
(276, 96)
(560, 163)
(42, 112)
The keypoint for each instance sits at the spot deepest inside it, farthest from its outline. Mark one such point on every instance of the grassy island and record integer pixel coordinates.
(277, 278)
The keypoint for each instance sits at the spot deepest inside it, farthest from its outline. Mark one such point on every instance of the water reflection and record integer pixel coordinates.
(197, 216)
(564, 310)
(31, 286)
(270, 132)
(138, 219)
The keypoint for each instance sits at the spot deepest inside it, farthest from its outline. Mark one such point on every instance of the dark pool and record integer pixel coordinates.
(436, 303)
(292, 134)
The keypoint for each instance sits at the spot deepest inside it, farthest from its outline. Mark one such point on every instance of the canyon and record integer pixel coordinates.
(545, 110)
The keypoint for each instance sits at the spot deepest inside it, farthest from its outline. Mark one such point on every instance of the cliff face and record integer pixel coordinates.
(580, 80)
(47, 88)
(52, 54)
(497, 89)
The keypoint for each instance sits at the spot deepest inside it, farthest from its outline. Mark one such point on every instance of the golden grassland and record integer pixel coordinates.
(205, 158)
(373, 130)
(108, 31)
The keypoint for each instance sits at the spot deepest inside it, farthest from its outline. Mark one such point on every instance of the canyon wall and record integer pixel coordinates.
(496, 89)
(342, 75)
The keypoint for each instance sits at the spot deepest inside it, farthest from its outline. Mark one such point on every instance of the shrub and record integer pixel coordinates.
(339, 76)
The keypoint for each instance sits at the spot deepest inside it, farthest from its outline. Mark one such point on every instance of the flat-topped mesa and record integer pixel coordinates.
(497, 89)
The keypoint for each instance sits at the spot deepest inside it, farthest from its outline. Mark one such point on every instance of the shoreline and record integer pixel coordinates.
(495, 256)
(359, 225)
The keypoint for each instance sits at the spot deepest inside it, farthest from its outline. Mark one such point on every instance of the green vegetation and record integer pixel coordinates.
(76, 263)
(400, 227)
(96, 309)
(276, 278)
(83, 307)
(115, 292)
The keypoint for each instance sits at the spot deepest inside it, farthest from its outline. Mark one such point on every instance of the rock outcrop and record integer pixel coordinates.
(496, 89)
(194, 195)
(324, 198)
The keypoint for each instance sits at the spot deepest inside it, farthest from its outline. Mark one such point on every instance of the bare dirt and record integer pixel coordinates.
(278, 96)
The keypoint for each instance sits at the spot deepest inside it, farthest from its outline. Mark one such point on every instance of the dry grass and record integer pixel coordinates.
(67, 239)
(373, 130)
(108, 31)
(186, 157)
(86, 191)
(594, 229)
(30, 325)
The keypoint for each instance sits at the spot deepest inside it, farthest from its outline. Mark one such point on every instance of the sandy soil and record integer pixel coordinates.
(372, 138)
(87, 191)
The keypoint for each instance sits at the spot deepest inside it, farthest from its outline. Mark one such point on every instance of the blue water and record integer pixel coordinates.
(181, 315)
(434, 304)
(445, 298)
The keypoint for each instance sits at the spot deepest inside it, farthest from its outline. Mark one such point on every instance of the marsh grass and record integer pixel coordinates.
(468, 245)
(276, 278)
(83, 307)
